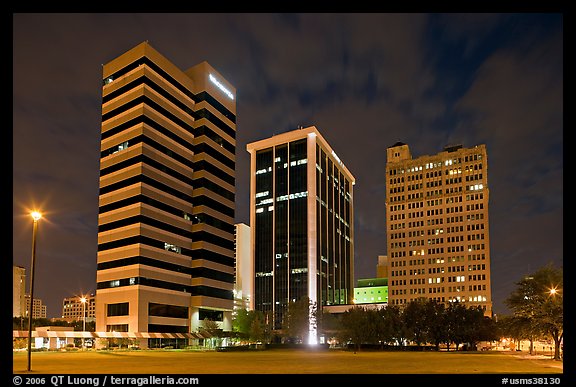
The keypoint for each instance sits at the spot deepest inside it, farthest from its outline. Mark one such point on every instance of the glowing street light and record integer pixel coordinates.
(554, 291)
(36, 216)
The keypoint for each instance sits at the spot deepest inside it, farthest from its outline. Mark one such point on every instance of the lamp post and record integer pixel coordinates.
(83, 301)
(36, 217)
(556, 311)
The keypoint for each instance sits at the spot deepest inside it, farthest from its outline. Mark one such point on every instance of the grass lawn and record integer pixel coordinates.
(282, 361)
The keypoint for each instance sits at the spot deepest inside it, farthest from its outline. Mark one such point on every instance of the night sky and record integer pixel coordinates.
(366, 81)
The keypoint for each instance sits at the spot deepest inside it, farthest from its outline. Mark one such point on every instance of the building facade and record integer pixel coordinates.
(243, 290)
(19, 291)
(301, 216)
(73, 309)
(371, 291)
(382, 267)
(167, 196)
(438, 237)
(38, 308)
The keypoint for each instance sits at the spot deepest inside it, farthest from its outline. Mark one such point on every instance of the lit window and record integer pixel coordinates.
(173, 248)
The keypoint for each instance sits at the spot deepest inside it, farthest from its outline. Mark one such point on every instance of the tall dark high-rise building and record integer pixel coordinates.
(437, 226)
(301, 216)
(167, 189)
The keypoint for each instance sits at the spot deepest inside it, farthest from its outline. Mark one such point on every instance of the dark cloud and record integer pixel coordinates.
(517, 110)
(365, 80)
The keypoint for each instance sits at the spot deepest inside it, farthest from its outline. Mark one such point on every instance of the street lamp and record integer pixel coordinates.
(553, 291)
(83, 301)
(36, 216)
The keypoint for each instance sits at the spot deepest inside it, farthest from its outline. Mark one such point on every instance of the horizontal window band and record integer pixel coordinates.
(145, 100)
(140, 178)
(202, 96)
(194, 115)
(146, 160)
(204, 147)
(196, 218)
(204, 165)
(204, 130)
(143, 139)
(213, 204)
(193, 254)
(201, 290)
(200, 272)
(197, 149)
(193, 236)
(205, 113)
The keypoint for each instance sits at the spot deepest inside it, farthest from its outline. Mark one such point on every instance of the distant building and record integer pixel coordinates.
(73, 309)
(438, 234)
(302, 221)
(371, 291)
(38, 307)
(382, 267)
(55, 342)
(244, 287)
(18, 291)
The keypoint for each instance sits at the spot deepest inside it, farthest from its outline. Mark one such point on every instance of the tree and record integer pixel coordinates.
(455, 320)
(488, 329)
(241, 322)
(380, 326)
(256, 329)
(356, 326)
(394, 324)
(300, 318)
(415, 318)
(436, 317)
(474, 327)
(328, 324)
(211, 327)
(538, 299)
(518, 329)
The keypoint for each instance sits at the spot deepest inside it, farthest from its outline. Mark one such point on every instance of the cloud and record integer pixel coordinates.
(365, 80)
(515, 106)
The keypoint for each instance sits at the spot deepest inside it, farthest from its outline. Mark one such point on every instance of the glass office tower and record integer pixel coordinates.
(301, 212)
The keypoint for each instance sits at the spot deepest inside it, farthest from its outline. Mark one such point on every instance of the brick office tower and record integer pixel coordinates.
(438, 239)
(301, 216)
(167, 189)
